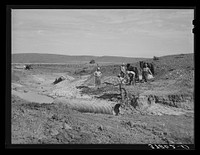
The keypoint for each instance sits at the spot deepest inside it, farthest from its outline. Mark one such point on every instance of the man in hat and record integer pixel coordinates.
(123, 70)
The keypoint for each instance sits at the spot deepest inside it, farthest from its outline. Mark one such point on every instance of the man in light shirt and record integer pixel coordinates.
(146, 72)
(97, 75)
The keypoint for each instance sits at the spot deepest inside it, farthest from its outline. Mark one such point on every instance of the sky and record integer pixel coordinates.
(103, 32)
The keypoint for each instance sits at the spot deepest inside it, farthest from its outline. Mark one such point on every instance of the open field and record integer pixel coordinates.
(73, 111)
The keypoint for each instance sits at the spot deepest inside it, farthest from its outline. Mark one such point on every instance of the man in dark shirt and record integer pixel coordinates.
(131, 76)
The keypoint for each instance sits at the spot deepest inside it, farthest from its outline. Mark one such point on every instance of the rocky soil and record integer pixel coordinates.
(159, 111)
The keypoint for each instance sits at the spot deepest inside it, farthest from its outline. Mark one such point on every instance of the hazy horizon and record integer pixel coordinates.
(103, 32)
(103, 55)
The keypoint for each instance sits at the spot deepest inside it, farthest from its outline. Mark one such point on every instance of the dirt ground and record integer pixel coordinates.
(160, 111)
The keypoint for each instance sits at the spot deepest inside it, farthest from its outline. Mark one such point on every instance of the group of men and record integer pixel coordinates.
(130, 74)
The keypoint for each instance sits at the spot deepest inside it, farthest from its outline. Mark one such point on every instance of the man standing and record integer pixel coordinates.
(131, 74)
(123, 70)
(146, 72)
(97, 75)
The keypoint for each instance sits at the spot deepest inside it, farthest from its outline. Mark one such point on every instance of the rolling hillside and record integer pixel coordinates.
(54, 58)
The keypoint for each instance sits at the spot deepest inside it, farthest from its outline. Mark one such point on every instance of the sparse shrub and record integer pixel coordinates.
(155, 58)
(92, 62)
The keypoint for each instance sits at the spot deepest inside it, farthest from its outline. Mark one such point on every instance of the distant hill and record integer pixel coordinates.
(54, 58)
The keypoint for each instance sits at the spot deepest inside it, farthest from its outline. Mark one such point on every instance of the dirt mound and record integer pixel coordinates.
(66, 88)
(57, 80)
(69, 78)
